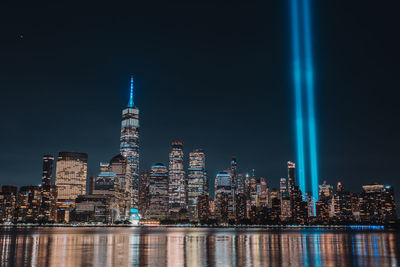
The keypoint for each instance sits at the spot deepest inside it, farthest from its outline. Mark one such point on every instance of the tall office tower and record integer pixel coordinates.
(203, 208)
(283, 187)
(343, 204)
(310, 205)
(197, 180)
(240, 183)
(176, 185)
(264, 193)
(158, 193)
(291, 175)
(377, 204)
(144, 192)
(247, 188)
(234, 173)
(47, 171)
(49, 193)
(275, 212)
(322, 211)
(8, 203)
(28, 203)
(325, 208)
(299, 207)
(223, 197)
(241, 207)
(325, 191)
(129, 144)
(286, 209)
(71, 175)
(206, 188)
(253, 197)
(119, 165)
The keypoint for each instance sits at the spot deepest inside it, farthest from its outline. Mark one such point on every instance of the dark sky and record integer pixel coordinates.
(215, 75)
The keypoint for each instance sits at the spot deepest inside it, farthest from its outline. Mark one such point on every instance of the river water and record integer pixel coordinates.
(72, 247)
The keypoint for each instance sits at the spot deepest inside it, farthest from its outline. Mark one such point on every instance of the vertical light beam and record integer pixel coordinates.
(298, 93)
(309, 78)
(131, 104)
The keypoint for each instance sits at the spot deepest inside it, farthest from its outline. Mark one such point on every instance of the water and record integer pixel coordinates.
(64, 247)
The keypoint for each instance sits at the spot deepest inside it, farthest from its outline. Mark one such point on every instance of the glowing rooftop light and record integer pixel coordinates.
(130, 103)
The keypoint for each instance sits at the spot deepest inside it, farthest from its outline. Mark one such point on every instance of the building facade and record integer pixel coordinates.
(120, 166)
(129, 145)
(177, 183)
(71, 175)
(28, 204)
(8, 203)
(377, 204)
(158, 193)
(48, 207)
(224, 209)
(197, 180)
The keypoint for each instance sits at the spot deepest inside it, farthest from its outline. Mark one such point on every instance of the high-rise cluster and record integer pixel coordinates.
(179, 191)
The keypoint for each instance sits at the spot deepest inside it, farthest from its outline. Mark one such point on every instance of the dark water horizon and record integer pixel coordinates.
(179, 246)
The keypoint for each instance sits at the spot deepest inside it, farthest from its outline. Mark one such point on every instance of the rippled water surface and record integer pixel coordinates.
(196, 247)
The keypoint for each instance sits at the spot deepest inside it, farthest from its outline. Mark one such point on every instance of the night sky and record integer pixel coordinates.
(214, 75)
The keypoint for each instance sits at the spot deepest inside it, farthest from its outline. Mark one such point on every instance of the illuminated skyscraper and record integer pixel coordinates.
(158, 193)
(176, 184)
(8, 203)
(291, 175)
(49, 192)
(326, 191)
(343, 204)
(223, 197)
(119, 165)
(196, 180)
(240, 183)
(129, 144)
(283, 187)
(234, 170)
(71, 175)
(325, 208)
(28, 203)
(144, 192)
(377, 204)
(47, 172)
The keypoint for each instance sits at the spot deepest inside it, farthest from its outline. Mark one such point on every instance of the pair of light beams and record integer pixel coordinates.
(304, 96)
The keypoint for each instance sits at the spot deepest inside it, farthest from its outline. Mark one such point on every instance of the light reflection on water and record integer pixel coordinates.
(71, 247)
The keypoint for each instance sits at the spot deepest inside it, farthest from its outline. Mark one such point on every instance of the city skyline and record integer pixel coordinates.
(238, 83)
(121, 193)
(127, 113)
(200, 133)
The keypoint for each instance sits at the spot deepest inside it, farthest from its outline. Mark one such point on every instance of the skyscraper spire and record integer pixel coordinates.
(130, 104)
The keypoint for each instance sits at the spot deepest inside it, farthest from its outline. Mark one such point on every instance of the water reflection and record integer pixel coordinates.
(65, 247)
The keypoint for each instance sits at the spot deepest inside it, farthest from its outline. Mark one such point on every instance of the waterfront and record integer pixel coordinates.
(196, 247)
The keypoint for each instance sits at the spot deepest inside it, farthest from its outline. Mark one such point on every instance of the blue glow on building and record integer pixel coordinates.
(309, 79)
(130, 104)
(298, 94)
(134, 211)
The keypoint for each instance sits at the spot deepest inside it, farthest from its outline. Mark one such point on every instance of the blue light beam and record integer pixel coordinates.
(309, 78)
(298, 94)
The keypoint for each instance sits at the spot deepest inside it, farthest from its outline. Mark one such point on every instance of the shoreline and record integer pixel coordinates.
(266, 227)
